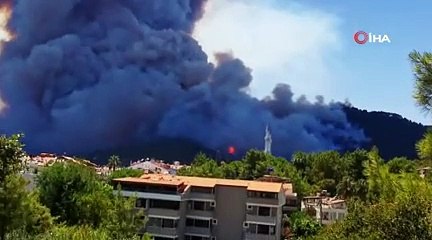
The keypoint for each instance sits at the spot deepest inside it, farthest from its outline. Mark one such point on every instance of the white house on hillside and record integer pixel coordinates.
(324, 209)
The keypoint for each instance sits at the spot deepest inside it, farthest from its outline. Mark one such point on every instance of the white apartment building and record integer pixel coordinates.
(324, 209)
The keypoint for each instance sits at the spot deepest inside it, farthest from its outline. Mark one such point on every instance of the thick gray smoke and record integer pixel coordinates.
(86, 75)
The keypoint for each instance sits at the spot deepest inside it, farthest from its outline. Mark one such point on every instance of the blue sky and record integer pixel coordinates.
(309, 45)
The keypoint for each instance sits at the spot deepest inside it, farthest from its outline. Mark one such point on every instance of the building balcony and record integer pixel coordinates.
(263, 201)
(201, 196)
(261, 219)
(163, 212)
(251, 236)
(199, 213)
(198, 231)
(159, 231)
(169, 196)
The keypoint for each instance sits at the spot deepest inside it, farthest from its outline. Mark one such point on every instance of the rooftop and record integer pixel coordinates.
(161, 179)
(325, 200)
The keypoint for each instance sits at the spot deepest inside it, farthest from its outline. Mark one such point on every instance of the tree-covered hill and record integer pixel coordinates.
(393, 135)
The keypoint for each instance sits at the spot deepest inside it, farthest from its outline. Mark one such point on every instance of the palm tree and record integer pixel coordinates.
(113, 162)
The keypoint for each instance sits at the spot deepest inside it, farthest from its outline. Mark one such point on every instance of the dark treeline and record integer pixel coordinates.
(391, 133)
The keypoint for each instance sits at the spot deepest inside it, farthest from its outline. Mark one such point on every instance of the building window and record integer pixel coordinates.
(174, 205)
(261, 229)
(162, 222)
(169, 223)
(202, 223)
(325, 216)
(148, 188)
(192, 222)
(200, 205)
(264, 211)
(141, 203)
(255, 194)
(154, 222)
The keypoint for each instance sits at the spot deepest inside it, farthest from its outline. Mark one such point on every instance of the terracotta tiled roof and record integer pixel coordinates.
(158, 181)
(204, 182)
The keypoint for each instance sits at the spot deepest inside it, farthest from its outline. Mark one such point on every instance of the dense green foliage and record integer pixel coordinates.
(303, 226)
(18, 208)
(70, 202)
(424, 147)
(406, 215)
(398, 203)
(338, 174)
(73, 233)
(422, 69)
(77, 196)
(65, 187)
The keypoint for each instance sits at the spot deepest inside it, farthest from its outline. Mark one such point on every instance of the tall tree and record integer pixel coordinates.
(422, 68)
(11, 156)
(64, 186)
(302, 225)
(372, 173)
(400, 165)
(254, 164)
(12, 186)
(124, 221)
(424, 147)
(113, 162)
(76, 195)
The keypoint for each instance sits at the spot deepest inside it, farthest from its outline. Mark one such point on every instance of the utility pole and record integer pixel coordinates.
(321, 212)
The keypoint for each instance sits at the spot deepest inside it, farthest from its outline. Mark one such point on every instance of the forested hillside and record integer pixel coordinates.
(394, 135)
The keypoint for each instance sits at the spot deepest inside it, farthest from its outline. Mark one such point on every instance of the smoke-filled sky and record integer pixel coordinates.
(87, 75)
(309, 45)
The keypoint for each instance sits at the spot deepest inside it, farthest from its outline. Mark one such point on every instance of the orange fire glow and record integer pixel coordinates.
(5, 14)
(5, 36)
(231, 150)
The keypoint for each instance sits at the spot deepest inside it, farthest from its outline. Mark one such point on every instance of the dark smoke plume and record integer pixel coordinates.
(86, 75)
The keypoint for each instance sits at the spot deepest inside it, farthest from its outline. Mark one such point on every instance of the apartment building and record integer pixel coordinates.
(193, 208)
(292, 204)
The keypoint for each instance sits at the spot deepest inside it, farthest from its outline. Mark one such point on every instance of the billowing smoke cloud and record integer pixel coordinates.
(85, 75)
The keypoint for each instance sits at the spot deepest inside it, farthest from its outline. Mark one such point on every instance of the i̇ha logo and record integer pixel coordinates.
(362, 37)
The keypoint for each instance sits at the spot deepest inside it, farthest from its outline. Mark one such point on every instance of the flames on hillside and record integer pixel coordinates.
(5, 15)
(5, 36)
